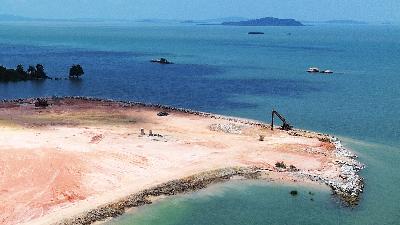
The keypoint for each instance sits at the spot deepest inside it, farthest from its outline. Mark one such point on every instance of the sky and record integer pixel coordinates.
(313, 10)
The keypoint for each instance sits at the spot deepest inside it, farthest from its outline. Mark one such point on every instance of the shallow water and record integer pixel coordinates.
(238, 203)
(224, 70)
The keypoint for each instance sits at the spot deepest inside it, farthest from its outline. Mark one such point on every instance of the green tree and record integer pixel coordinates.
(31, 72)
(22, 75)
(40, 73)
(20, 69)
(76, 71)
(3, 73)
(19, 74)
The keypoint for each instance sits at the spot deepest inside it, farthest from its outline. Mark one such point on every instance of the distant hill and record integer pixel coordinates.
(267, 21)
(355, 22)
(13, 18)
(7, 17)
(343, 22)
(155, 20)
(216, 20)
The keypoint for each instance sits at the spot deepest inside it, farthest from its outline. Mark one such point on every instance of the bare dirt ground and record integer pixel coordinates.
(76, 154)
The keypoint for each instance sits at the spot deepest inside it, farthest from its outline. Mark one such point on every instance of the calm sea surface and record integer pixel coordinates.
(224, 70)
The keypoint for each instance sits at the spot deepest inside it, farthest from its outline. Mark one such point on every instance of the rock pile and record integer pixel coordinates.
(345, 181)
(229, 128)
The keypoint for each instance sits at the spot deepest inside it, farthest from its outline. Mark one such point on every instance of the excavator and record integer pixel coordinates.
(285, 124)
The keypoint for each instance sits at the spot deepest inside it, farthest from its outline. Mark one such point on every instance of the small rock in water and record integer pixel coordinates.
(294, 193)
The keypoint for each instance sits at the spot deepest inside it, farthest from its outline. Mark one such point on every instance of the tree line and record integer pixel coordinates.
(34, 73)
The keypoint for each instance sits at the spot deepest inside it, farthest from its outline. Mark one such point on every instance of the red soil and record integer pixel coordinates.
(53, 179)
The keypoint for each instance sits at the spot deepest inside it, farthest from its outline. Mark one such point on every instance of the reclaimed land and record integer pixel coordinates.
(80, 160)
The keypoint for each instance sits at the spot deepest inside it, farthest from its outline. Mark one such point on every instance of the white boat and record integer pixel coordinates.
(327, 71)
(313, 70)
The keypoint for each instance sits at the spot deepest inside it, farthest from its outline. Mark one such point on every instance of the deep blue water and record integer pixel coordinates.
(224, 70)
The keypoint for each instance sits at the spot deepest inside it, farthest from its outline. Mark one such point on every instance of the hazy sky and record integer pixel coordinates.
(367, 10)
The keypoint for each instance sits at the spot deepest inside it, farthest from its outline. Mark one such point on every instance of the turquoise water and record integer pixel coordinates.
(239, 203)
(224, 70)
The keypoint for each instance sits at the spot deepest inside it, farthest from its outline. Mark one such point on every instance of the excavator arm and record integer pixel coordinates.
(285, 124)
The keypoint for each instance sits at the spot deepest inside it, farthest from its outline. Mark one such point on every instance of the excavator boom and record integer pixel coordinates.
(285, 125)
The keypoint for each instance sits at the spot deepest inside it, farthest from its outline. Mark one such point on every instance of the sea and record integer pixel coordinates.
(224, 70)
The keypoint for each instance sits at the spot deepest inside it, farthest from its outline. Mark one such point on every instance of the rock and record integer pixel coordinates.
(162, 114)
(229, 128)
(41, 103)
(261, 138)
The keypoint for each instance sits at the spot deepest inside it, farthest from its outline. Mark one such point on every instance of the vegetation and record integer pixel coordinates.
(76, 71)
(34, 73)
(324, 139)
(280, 165)
(19, 74)
(41, 103)
(293, 168)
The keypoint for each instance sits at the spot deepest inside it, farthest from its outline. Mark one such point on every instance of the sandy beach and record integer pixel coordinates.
(76, 155)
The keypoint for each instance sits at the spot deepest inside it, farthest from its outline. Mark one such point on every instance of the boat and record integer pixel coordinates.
(326, 71)
(161, 61)
(255, 32)
(313, 70)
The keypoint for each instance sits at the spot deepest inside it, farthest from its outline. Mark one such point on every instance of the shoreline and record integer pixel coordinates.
(171, 188)
(342, 176)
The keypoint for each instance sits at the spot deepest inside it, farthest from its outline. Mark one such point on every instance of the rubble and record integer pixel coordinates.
(229, 128)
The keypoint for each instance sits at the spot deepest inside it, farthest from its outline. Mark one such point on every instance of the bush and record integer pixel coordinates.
(41, 103)
(293, 168)
(280, 165)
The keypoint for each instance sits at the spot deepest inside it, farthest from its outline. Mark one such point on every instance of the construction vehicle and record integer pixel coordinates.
(285, 125)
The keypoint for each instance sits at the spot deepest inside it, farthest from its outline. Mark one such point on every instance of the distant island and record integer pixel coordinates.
(341, 22)
(353, 22)
(255, 32)
(216, 21)
(19, 74)
(15, 18)
(7, 17)
(34, 73)
(267, 21)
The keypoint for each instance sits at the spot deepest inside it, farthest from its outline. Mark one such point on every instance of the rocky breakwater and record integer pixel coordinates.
(174, 187)
(341, 174)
